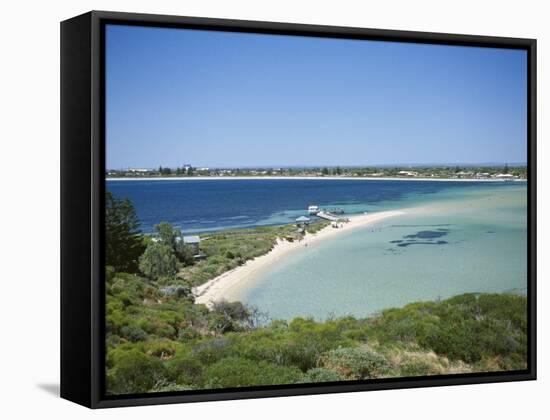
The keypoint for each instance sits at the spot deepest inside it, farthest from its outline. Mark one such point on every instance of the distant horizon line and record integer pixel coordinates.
(314, 166)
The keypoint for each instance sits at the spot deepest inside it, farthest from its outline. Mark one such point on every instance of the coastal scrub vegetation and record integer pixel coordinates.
(158, 339)
(229, 249)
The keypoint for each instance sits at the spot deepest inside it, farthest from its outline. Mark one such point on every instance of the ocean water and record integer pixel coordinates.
(455, 237)
(207, 205)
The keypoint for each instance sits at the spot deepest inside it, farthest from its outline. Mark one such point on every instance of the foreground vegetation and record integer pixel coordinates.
(158, 339)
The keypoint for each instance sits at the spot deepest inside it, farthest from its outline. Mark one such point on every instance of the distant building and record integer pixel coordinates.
(303, 220)
(141, 170)
(504, 176)
(193, 242)
(483, 175)
(407, 173)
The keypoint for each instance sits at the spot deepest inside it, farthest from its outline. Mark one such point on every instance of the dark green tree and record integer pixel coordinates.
(505, 170)
(158, 261)
(123, 239)
(167, 234)
(172, 237)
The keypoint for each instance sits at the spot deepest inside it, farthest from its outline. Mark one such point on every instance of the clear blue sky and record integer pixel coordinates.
(228, 99)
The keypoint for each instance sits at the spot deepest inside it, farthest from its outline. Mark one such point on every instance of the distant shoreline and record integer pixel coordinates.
(312, 178)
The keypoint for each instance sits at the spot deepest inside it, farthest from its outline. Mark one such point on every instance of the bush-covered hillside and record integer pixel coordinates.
(159, 340)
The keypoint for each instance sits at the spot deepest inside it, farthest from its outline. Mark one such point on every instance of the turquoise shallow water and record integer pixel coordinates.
(457, 241)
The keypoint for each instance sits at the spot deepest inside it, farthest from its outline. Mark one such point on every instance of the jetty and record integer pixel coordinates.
(327, 214)
(330, 216)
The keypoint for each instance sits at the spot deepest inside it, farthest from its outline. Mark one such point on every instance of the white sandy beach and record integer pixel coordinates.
(231, 282)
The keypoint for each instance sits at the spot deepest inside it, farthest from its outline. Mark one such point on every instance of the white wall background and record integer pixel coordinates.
(29, 181)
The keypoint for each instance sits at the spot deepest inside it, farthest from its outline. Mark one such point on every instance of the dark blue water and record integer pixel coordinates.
(207, 205)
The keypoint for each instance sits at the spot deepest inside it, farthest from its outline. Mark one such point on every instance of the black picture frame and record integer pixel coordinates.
(82, 207)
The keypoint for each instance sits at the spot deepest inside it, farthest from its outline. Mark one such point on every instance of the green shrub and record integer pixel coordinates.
(230, 255)
(210, 351)
(307, 340)
(237, 372)
(166, 386)
(185, 368)
(322, 375)
(133, 372)
(157, 327)
(187, 334)
(469, 328)
(112, 340)
(161, 348)
(414, 367)
(133, 333)
(355, 363)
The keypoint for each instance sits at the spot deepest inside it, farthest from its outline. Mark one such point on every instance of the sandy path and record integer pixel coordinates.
(234, 280)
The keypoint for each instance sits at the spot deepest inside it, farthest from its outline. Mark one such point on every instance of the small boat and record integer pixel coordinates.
(313, 210)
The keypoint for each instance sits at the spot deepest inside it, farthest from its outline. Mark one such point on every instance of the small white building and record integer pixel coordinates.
(407, 173)
(504, 176)
(483, 175)
(193, 242)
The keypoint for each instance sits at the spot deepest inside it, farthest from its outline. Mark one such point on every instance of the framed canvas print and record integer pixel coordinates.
(255, 209)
